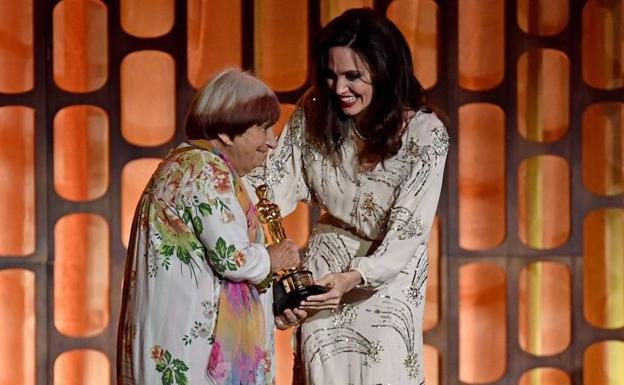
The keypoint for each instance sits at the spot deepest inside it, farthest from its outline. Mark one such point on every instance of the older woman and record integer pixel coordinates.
(193, 308)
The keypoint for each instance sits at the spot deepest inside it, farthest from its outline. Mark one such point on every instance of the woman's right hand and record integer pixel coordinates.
(283, 255)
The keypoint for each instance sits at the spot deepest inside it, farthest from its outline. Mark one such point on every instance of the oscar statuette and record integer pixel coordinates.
(290, 286)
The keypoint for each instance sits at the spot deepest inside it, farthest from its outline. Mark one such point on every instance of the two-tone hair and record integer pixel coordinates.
(229, 103)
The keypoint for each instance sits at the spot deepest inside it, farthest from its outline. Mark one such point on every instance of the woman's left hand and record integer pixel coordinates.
(338, 284)
(290, 318)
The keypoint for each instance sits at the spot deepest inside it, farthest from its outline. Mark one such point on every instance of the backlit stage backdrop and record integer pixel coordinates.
(527, 256)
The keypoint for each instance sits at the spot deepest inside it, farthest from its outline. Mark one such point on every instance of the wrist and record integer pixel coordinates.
(352, 278)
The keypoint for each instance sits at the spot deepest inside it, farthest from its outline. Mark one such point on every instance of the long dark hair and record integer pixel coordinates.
(383, 49)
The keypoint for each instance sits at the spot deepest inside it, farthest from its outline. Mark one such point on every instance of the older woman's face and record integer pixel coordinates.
(350, 80)
(249, 150)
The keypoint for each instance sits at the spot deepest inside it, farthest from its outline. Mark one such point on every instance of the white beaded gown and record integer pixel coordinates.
(376, 222)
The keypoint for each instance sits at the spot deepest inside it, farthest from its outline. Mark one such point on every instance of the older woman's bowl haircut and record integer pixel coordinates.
(229, 103)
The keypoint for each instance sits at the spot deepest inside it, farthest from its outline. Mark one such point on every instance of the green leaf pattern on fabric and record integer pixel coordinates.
(173, 370)
(223, 256)
(175, 231)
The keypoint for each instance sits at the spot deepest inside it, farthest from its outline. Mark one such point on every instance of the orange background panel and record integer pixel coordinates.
(16, 46)
(81, 275)
(543, 94)
(17, 312)
(286, 111)
(482, 317)
(482, 215)
(545, 376)
(281, 37)
(333, 8)
(544, 308)
(418, 21)
(297, 226)
(601, 44)
(84, 366)
(80, 45)
(603, 268)
(214, 38)
(148, 98)
(432, 365)
(603, 148)
(602, 363)
(481, 45)
(81, 152)
(284, 356)
(17, 181)
(542, 17)
(134, 177)
(146, 18)
(544, 201)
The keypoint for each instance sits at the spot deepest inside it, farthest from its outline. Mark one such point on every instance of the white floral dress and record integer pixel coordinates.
(191, 234)
(376, 222)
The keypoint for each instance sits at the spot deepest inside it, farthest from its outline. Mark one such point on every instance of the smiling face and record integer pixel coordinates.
(249, 150)
(350, 80)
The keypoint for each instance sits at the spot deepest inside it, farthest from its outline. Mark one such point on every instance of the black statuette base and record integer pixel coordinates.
(293, 288)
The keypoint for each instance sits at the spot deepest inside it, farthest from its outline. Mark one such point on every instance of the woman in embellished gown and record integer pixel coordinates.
(362, 147)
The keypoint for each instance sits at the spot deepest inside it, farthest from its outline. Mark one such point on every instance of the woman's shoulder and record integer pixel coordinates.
(426, 118)
(426, 126)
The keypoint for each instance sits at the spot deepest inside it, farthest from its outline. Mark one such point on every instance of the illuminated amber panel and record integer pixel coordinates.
(544, 308)
(80, 45)
(146, 18)
(284, 356)
(297, 225)
(601, 44)
(419, 22)
(481, 44)
(286, 110)
(482, 317)
(544, 201)
(542, 17)
(16, 46)
(81, 152)
(83, 366)
(482, 218)
(214, 38)
(81, 275)
(432, 365)
(148, 98)
(543, 88)
(603, 268)
(432, 298)
(134, 177)
(545, 376)
(17, 181)
(333, 8)
(17, 312)
(281, 49)
(602, 363)
(603, 148)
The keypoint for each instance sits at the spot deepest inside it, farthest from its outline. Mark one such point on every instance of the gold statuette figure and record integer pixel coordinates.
(293, 285)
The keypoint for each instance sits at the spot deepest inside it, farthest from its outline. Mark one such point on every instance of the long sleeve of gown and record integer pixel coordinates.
(414, 209)
(284, 170)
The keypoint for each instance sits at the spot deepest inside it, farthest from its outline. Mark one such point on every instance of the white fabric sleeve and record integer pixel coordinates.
(284, 171)
(222, 230)
(413, 212)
